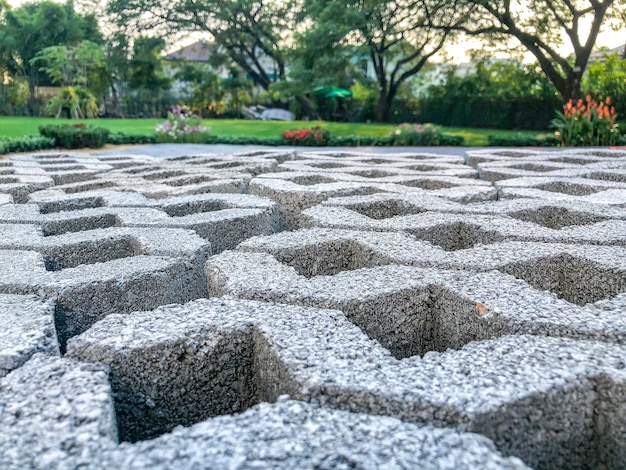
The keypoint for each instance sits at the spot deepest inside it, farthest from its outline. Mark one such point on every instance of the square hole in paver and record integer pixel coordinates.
(79, 224)
(607, 176)
(64, 168)
(429, 185)
(573, 189)
(195, 207)
(329, 258)
(426, 168)
(310, 180)
(372, 173)
(184, 382)
(80, 203)
(534, 167)
(575, 161)
(385, 209)
(189, 179)
(88, 252)
(556, 217)
(55, 161)
(328, 165)
(577, 280)
(456, 236)
(221, 166)
(412, 322)
(88, 186)
(158, 175)
(377, 161)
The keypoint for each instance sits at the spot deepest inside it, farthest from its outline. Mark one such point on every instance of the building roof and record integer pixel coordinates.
(598, 56)
(199, 51)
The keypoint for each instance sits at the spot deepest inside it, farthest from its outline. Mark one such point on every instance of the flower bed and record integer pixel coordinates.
(312, 137)
(182, 126)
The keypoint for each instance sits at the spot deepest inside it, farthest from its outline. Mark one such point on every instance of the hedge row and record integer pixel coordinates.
(32, 143)
(521, 140)
(120, 138)
(26, 144)
(527, 113)
(75, 136)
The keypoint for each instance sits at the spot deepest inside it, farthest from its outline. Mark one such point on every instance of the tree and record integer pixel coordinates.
(496, 94)
(254, 34)
(146, 74)
(393, 34)
(541, 27)
(82, 65)
(27, 30)
(146, 65)
(81, 68)
(607, 79)
(117, 54)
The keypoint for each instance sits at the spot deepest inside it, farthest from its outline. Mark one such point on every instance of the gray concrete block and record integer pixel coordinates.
(534, 396)
(27, 328)
(53, 413)
(94, 273)
(486, 297)
(224, 220)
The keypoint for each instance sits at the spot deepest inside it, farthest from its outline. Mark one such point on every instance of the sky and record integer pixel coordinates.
(458, 53)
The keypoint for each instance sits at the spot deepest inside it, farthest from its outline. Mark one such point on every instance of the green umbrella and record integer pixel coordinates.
(333, 92)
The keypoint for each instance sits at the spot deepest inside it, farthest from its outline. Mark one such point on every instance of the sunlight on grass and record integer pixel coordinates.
(21, 126)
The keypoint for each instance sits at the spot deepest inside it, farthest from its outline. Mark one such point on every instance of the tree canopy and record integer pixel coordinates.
(27, 30)
(393, 34)
(252, 33)
(541, 27)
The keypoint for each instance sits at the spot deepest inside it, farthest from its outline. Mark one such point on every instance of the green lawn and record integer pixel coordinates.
(20, 126)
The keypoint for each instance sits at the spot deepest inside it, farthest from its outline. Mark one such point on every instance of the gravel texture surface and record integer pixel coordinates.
(173, 307)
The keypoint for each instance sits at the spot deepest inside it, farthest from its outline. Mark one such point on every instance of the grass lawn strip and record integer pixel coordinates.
(21, 126)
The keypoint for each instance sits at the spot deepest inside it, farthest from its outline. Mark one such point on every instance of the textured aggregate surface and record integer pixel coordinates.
(314, 309)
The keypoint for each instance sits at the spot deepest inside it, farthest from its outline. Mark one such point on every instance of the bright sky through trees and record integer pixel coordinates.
(457, 53)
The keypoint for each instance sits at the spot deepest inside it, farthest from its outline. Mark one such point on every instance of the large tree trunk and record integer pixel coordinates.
(383, 106)
(31, 98)
(572, 83)
(117, 110)
(307, 107)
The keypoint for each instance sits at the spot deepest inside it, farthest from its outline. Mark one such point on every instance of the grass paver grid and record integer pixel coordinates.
(301, 310)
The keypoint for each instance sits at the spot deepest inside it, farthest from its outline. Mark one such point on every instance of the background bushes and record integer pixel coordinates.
(499, 95)
(74, 136)
(26, 144)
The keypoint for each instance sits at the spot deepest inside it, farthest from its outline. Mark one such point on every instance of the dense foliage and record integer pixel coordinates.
(26, 144)
(54, 60)
(587, 123)
(74, 136)
(313, 137)
(181, 126)
(498, 95)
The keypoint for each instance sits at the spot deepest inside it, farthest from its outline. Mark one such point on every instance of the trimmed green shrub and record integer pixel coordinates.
(359, 141)
(120, 138)
(214, 139)
(28, 143)
(422, 135)
(74, 136)
(451, 140)
(521, 140)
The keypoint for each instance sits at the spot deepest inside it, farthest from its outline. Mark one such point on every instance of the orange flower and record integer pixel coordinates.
(608, 100)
